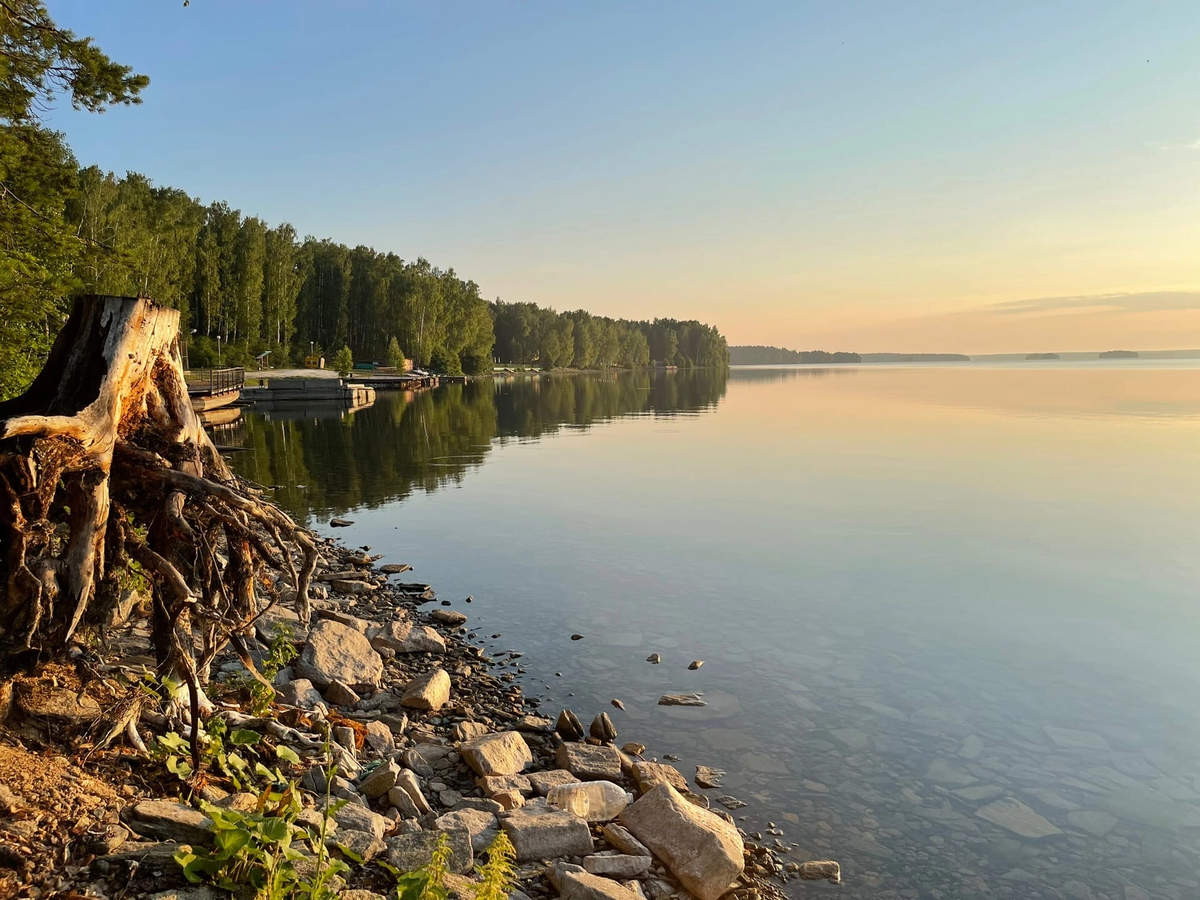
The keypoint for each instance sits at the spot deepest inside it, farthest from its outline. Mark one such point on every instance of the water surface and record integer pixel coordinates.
(920, 593)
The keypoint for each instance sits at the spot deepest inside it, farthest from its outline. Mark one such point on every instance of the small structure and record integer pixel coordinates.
(314, 362)
(264, 360)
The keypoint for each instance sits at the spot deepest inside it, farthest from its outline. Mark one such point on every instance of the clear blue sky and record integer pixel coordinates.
(858, 175)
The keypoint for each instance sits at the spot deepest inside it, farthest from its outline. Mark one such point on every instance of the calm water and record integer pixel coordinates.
(920, 593)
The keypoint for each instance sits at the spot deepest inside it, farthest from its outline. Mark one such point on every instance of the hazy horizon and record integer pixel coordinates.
(880, 179)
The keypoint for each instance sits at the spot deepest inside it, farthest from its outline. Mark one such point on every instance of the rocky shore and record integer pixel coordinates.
(395, 728)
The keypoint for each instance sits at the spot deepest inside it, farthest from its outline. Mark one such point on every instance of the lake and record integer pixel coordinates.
(948, 614)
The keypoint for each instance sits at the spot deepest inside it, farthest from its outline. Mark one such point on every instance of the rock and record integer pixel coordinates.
(708, 777)
(594, 801)
(654, 659)
(577, 637)
(449, 798)
(617, 703)
(409, 852)
(820, 870)
(44, 700)
(544, 833)
(542, 782)
(204, 892)
(168, 820)
(695, 664)
(396, 722)
(589, 763)
(279, 620)
(682, 700)
(239, 802)
(300, 693)
(621, 838)
(568, 727)
(448, 617)
(505, 753)
(360, 894)
(509, 800)
(402, 636)
(617, 865)
(1092, 821)
(649, 775)
(1017, 817)
(351, 586)
(380, 781)
(429, 692)
(394, 568)
(602, 728)
(633, 748)
(480, 825)
(379, 737)
(700, 848)
(339, 694)
(1070, 739)
(353, 817)
(468, 731)
(361, 843)
(575, 883)
(496, 784)
(971, 747)
(340, 523)
(406, 782)
(335, 652)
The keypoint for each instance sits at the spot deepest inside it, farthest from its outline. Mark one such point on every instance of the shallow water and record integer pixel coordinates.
(920, 593)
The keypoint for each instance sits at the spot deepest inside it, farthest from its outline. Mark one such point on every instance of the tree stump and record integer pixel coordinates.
(103, 463)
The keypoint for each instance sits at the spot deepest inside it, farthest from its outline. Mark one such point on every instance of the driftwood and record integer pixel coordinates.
(103, 463)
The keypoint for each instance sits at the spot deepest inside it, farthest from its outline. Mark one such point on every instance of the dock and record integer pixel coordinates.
(216, 388)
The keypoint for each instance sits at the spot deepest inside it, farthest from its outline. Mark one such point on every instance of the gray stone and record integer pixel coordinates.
(380, 781)
(279, 620)
(480, 825)
(575, 883)
(402, 636)
(429, 692)
(971, 747)
(700, 848)
(544, 833)
(497, 784)
(468, 731)
(621, 838)
(448, 617)
(339, 694)
(542, 782)
(497, 754)
(168, 820)
(335, 652)
(1071, 739)
(590, 763)
(1018, 818)
(300, 693)
(616, 865)
(408, 852)
(407, 782)
(379, 737)
(648, 775)
(363, 844)
(820, 870)
(1092, 821)
(353, 817)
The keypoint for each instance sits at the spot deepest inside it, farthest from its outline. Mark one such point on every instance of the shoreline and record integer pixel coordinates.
(452, 759)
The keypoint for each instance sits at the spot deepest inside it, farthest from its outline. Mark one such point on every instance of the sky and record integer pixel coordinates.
(874, 176)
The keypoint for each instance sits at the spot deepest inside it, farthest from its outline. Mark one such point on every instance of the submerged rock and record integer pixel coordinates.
(820, 870)
(694, 699)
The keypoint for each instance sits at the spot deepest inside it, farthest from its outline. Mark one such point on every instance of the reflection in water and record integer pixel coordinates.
(419, 442)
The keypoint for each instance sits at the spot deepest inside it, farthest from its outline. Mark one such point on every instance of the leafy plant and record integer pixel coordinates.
(499, 872)
(281, 653)
(227, 752)
(343, 361)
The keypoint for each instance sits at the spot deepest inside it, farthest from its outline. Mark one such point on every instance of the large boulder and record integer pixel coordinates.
(576, 883)
(335, 652)
(429, 692)
(505, 753)
(542, 833)
(590, 763)
(700, 848)
(168, 820)
(402, 636)
(409, 852)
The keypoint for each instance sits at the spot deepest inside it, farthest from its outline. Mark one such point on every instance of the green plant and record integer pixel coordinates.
(499, 872)
(282, 651)
(343, 362)
(225, 750)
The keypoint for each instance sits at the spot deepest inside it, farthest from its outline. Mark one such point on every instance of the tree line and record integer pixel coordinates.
(755, 355)
(527, 334)
(243, 286)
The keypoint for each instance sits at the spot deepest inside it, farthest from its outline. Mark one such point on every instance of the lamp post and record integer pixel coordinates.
(218, 350)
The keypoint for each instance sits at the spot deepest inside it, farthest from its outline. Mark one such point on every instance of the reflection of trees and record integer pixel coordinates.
(788, 373)
(405, 442)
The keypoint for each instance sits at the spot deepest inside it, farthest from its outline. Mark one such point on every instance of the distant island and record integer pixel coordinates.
(1042, 356)
(915, 357)
(1119, 354)
(757, 355)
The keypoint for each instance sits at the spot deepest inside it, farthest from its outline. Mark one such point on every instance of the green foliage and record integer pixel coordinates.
(343, 362)
(445, 362)
(497, 875)
(39, 60)
(282, 651)
(395, 356)
(235, 754)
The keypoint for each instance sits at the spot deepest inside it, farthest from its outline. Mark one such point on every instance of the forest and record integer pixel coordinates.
(767, 356)
(243, 286)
